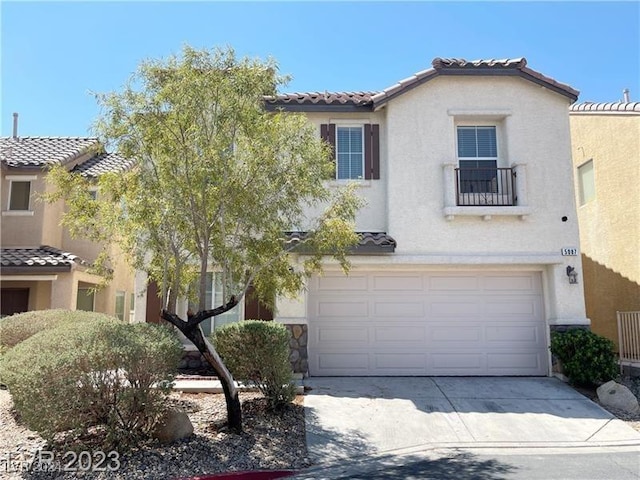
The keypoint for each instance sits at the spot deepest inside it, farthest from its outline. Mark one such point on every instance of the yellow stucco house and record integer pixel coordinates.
(605, 140)
(41, 266)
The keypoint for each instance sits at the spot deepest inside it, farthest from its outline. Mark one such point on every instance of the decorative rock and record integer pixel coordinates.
(294, 356)
(302, 341)
(297, 331)
(617, 396)
(173, 426)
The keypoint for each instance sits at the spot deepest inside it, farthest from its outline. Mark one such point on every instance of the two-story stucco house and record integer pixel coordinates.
(469, 252)
(606, 156)
(41, 266)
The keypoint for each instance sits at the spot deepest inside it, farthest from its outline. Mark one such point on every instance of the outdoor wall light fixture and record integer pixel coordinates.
(572, 274)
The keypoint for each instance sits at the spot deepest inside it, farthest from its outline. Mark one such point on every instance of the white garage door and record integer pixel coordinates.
(420, 323)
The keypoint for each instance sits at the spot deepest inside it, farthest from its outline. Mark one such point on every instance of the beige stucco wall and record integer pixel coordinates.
(610, 223)
(418, 137)
(22, 228)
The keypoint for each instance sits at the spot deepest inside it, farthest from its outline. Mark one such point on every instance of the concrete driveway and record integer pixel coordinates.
(350, 417)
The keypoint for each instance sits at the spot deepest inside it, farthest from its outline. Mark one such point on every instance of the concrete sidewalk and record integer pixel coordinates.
(356, 417)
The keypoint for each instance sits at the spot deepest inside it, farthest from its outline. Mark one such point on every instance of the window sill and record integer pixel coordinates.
(17, 213)
(487, 212)
(342, 183)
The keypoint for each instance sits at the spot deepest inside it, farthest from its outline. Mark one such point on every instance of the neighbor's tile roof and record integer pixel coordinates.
(367, 241)
(43, 256)
(610, 107)
(103, 163)
(440, 66)
(43, 151)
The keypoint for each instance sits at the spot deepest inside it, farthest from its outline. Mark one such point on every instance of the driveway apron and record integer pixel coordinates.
(347, 417)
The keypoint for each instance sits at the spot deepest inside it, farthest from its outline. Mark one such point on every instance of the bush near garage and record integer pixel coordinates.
(17, 328)
(103, 375)
(587, 358)
(256, 352)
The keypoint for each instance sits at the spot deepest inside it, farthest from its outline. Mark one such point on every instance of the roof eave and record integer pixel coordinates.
(317, 107)
(30, 269)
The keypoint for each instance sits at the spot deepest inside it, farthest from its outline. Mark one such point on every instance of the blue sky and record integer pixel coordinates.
(54, 53)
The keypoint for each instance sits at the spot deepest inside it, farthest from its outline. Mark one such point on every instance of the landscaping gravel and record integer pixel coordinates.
(270, 441)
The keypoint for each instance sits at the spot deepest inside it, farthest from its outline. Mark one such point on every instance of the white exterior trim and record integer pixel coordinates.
(28, 278)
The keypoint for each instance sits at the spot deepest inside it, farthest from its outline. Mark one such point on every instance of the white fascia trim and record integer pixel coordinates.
(465, 112)
(570, 321)
(21, 178)
(17, 213)
(28, 278)
(495, 260)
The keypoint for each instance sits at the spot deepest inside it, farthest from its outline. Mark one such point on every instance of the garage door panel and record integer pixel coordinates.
(401, 362)
(399, 283)
(513, 361)
(456, 363)
(407, 309)
(455, 309)
(428, 323)
(509, 335)
(347, 363)
(452, 283)
(463, 333)
(342, 334)
(353, 283)
(512, 308)
(408, 334)
(518, 283)
(343, 309)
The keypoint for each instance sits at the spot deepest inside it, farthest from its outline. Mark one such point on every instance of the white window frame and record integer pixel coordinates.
(19, 178)
(581, 189)
(211, 321)
(359, 125)
(122, 294)
(93, 298)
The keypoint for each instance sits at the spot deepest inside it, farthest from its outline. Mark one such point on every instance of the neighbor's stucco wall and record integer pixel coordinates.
(610, 223)
(23, 228)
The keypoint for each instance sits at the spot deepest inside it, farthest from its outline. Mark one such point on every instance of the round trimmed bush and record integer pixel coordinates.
(256, 352)
(102, 373)
(17, 328)
(587, 358)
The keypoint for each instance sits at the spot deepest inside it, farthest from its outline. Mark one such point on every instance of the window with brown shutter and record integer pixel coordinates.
(356, 150)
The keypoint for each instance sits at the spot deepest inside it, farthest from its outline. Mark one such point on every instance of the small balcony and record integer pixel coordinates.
(477, 187)
(485, 192)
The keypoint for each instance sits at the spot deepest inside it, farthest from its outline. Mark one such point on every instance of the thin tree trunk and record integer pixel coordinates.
(191, 329)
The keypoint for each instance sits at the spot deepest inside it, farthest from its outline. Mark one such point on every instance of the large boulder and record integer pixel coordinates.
(173, 425)
(614, 395)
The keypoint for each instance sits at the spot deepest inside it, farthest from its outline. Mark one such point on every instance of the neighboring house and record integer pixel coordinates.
(469, 234)
(606, 156)
(41, 266)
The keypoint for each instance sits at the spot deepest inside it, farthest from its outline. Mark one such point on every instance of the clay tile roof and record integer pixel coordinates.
(439, 63)
(610, 107)
(103, 163)
(440, 66)
(369, 242)
(324, 98)
(43, 256)
(43, 151)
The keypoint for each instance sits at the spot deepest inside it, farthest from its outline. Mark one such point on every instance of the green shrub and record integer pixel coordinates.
(102, 373)
(17, 328)
(257, 353)
(587, 358)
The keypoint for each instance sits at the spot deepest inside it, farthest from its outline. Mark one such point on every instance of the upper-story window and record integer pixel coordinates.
(356, 148)
(19, 195)
(349, 153)
(586, 183)
(477, 159)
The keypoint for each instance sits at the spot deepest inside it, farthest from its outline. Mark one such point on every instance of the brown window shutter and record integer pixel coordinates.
(328, 134)
(372, 152)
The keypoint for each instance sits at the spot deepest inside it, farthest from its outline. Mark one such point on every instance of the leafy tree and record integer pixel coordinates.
(217, 182)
